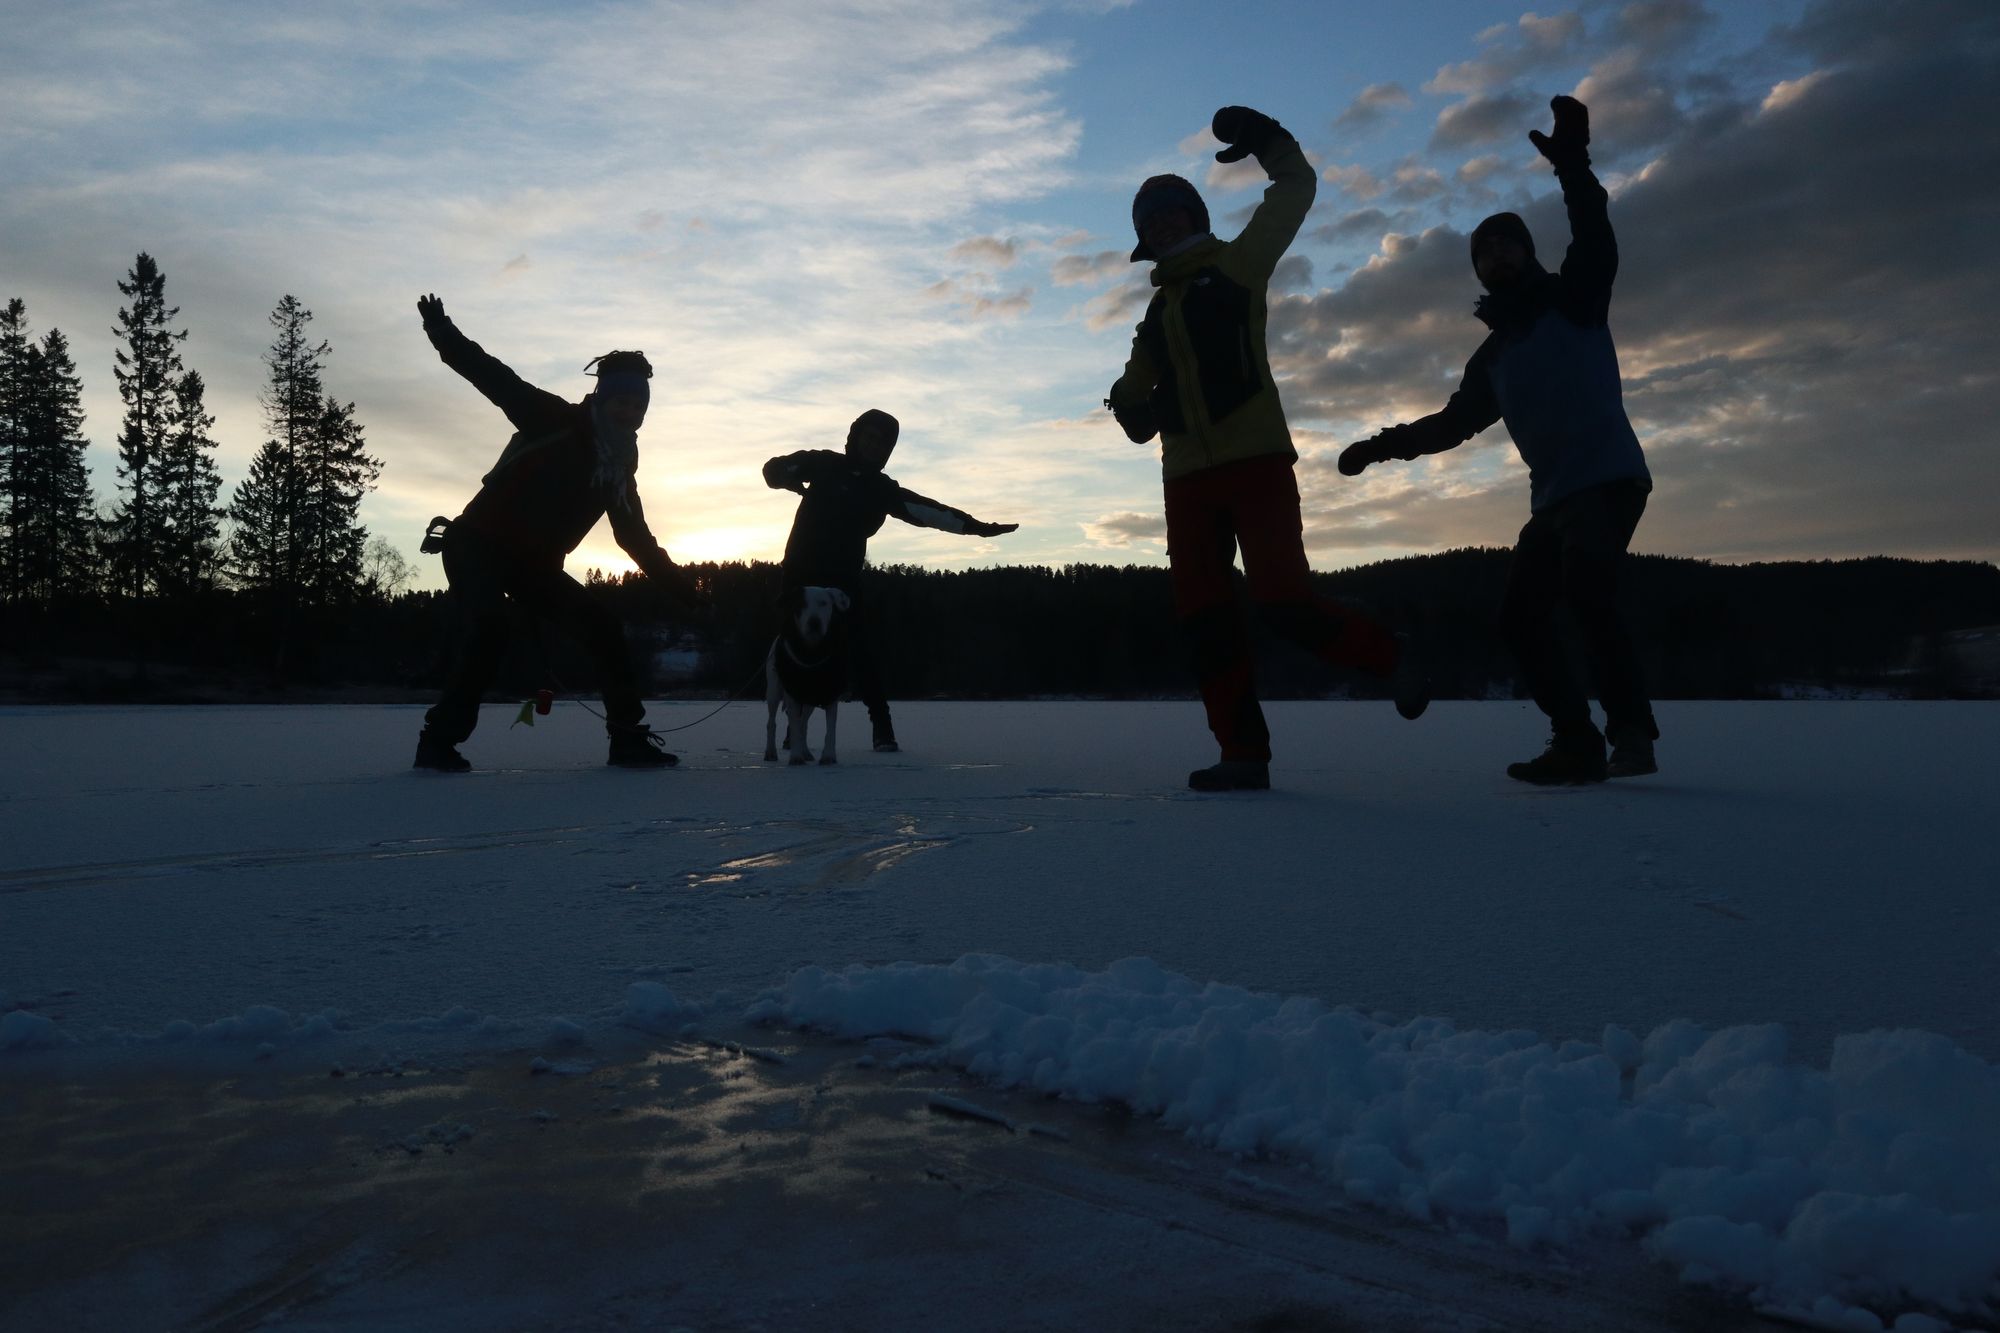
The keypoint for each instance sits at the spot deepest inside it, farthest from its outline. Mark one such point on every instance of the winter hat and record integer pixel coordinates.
(1157, 195)
(877, 421)
(1503, 224)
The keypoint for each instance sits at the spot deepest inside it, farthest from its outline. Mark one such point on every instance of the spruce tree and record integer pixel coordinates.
(188, 484)
(337, 471)
(16, 379)
(56, 518)
(147, 368)
(269, 535)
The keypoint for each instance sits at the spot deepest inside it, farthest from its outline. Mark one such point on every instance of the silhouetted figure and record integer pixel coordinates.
(1199, 377)
(1550, 371)
(847, 497)
(568, 465)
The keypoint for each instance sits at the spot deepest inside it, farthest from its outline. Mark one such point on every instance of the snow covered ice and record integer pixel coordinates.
(1736, 1021)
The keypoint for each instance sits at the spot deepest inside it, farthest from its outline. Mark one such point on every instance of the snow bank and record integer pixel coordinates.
(1875, 1180)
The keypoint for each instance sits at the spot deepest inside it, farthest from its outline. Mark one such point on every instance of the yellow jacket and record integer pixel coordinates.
(1198, 358)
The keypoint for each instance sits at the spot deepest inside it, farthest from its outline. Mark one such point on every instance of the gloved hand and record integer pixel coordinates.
(1138, 422)
(430, 308)
(1390, 442)
(1569, 145)
(1245, 131)
(979, 529)
(778, 476)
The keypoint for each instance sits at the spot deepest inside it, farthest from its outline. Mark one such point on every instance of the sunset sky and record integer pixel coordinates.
(802, 208)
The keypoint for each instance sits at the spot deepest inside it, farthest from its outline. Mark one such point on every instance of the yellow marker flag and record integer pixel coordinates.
(527, 713)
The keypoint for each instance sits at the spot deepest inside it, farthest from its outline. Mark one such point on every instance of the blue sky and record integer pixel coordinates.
(803, 209)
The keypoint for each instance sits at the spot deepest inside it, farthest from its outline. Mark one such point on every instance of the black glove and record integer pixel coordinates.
(1390, 442)
(1138, 422)
(1569, 146)
(979, 529)
(430, 308)
(1245, 131)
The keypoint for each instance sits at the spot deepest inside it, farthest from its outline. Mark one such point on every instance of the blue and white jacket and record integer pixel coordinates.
(1549, 369)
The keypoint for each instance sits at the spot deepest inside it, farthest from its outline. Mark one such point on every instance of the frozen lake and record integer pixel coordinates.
(190, 889)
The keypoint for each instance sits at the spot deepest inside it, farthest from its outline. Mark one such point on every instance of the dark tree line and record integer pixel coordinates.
(287, 552)
(1092, 631)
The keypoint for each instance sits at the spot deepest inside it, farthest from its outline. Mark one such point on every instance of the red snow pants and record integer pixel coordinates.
(1253, 506)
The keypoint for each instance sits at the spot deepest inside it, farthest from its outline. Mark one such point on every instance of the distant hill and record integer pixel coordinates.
(1782, 629)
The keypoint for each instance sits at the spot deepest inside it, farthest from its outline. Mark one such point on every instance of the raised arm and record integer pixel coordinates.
(1591, 262)
(1287, 199)
(528, 407)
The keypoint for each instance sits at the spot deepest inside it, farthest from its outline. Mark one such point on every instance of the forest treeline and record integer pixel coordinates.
(1705, 631)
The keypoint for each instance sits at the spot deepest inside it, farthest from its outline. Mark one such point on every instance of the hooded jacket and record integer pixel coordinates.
(547, 490)
(1198, 358)
(846, 503)
(1548, 367)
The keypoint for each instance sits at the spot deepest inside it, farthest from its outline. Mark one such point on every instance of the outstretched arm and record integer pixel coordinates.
(1468, 411)
(528, 407)
(925, 512)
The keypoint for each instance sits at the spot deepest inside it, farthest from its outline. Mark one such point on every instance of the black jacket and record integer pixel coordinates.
(845, 504)
(545, 493)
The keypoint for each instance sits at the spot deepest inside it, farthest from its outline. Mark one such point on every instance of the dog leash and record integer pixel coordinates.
(729, 699)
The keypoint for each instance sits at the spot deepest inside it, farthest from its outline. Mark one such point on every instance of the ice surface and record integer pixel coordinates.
(1743, 1008)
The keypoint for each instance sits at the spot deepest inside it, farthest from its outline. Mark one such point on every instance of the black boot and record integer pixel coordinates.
(1411, 683)
(1232, 775)
(435, 753)
(1632, 751)
(637, 746)
(885, 733)
(1573, 758)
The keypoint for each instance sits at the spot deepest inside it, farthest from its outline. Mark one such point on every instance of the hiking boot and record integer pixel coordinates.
(1410, 684)
(1232, 775)
(637, 746)
(1573, 758)
(435, 753)
(1631, 753)
(885, 737)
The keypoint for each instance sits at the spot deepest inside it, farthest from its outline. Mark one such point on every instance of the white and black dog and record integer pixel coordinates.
(806, 669)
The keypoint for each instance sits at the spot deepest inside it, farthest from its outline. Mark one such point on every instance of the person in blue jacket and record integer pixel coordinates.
(1549, 370)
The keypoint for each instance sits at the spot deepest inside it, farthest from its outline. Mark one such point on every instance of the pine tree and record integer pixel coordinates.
(148, 367)
(188, 484)
(56, 517)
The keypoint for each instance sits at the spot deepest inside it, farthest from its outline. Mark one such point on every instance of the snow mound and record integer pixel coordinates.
(1874, 1180)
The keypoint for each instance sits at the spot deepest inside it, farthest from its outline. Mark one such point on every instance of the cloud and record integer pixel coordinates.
(1126, 529)
(1122, 305)
(989, 250)
(1533, 43)
(1075, 270)
(1354, 180)
(1482, 119)
(1371, 105)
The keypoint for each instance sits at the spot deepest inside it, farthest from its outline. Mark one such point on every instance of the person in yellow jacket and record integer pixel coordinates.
(1199, 377)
